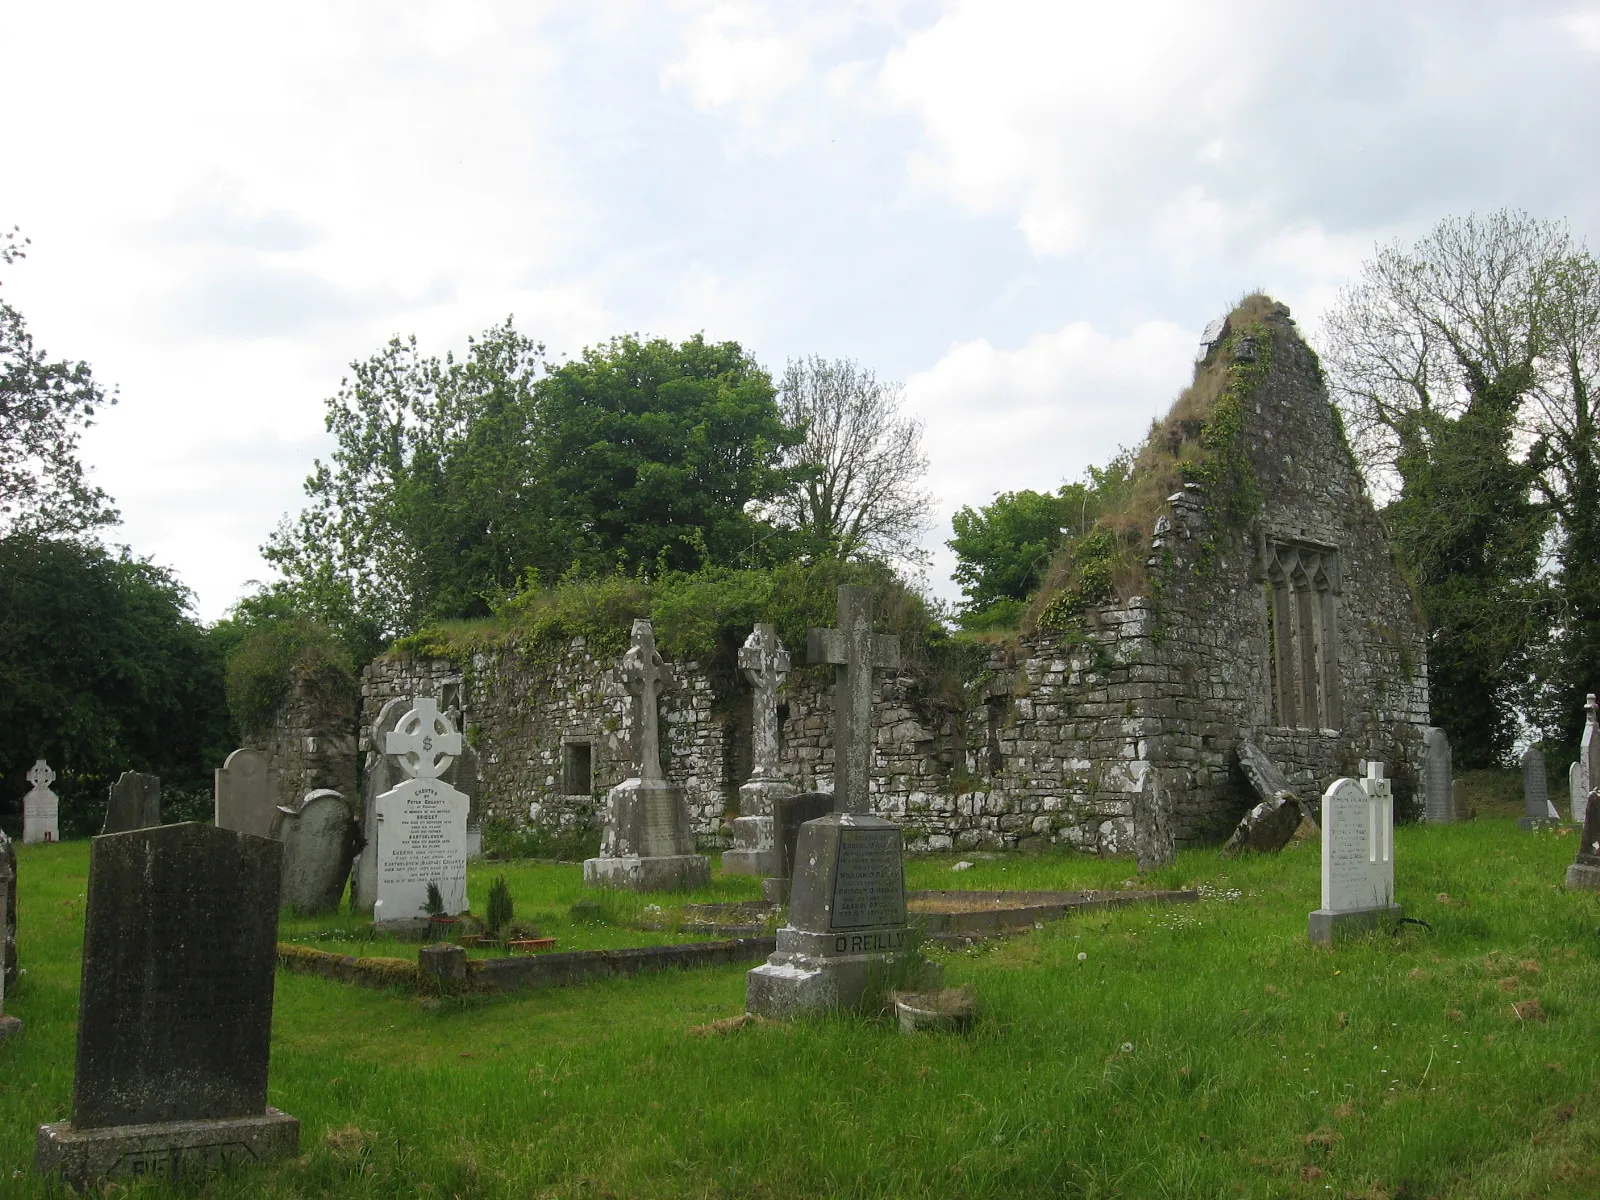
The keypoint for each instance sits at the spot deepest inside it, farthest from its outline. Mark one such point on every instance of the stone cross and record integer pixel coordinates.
(1589, 747)
(41, 776)
(424, 742)
(765, 662)
(1380, 814)
(646, 677)
(855, 650)
(41, 808)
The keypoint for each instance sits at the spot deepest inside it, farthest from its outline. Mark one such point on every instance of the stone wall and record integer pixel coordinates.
(311, 743)
(1118, 736)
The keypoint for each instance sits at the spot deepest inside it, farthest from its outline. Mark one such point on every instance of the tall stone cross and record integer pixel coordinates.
(855, 650)
(765, 662)
(1589, 744)
(1380, 816)
(424, 742)
(41, 776)
(646, 677)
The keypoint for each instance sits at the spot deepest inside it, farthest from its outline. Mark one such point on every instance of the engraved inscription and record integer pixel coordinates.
(869, 886)
(422, 846)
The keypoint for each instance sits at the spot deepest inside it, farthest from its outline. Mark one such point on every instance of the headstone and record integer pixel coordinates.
(380, 772)
(1536, 792)
(135, 803)
(175, 1009)
(246, 794)
(8, 952)
(765, 663)
(846, 943)
(318, 836)
(1265, 829)
(1584, 874)
(1154, 846)
(1588, 751)
(1438, 799)
(8, 884)
(1262, 773)
(789, 813)
(646, 844)
(422, 820)
(1577, 792)
(41, 808)
(1357, 857)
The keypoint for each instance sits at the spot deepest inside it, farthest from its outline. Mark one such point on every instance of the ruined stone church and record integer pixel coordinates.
(1254, 598)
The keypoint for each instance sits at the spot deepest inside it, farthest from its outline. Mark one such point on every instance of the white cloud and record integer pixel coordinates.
(1037, 416)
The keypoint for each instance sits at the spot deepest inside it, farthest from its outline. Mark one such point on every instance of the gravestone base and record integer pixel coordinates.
(666, 873)
(1581, 877)
(755, 834)
(164, 1151)
(1528, 824)
(1327, 926)
(808, 974)
(9, 1027)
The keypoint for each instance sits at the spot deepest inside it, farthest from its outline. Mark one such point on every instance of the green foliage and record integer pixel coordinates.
(1094, 555)
(267, 653)
(1002, 550)
(500, 911)
(45, 406)
(433, 904)
(104, 669)
(503, 841)
(1224, 468)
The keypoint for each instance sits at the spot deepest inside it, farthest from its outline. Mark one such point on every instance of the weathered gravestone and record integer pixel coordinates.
(1584, 874)
(41, 808)
(846, 942)
(646, 844)
(1536, 792)
(380, 772)
(1269, 826)
(319, 837)
(175, 1009)
(8, 953)
(422, 820)
(1438, 799)
(1577, 792)
(135, 803)
(765, 662)
(1587, 772)
(1357, 857)
(246, 793)
(8, 886)
(789, 813)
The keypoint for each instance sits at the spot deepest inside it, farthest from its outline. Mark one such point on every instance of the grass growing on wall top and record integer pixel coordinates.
(1195, 1051)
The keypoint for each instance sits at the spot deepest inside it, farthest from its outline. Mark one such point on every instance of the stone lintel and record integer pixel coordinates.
(163, 1151)
(1326, 926)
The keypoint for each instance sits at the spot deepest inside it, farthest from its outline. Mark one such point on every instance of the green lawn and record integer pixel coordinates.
(1202, 1050)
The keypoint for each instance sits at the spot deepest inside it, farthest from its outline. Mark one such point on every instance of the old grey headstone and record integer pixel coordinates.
(1153, 843)
(1588, 755)
(1266, 781)
(422, 820)
(765, 663)
(1577, 792)
(1265, 829)
(846, 943)
(41, 808)
(318, 837)
(646, 844)
(1584, 874)
(1536, 792)
(789, 813)
(135, 803)
(175, 1009)
(8, 897)
(1438, 796)
(246, 794)
(1357, 857)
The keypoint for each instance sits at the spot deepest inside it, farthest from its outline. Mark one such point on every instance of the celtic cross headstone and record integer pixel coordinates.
(41, 808)
(646, 676)
(764, 662)
(422, 820)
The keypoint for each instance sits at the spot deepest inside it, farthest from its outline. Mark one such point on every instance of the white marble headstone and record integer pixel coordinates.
(422, 821)
(1358, 843)
(41, 808)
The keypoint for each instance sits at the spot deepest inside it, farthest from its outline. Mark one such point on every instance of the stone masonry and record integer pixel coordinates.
(1297, 632)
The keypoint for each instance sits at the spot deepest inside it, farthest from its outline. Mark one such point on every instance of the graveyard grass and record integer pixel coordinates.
(1203, 1050)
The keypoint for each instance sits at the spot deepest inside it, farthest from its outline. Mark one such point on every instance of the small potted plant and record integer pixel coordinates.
(440, 924)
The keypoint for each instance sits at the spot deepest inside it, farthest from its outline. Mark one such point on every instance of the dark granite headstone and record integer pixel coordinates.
(788, 814)
(134, 803)
(1584, 874)
(8, 849)
(175, 1009)
(9, 1026)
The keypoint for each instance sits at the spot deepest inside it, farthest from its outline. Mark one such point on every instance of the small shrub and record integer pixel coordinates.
(434, 904)
(498, 914)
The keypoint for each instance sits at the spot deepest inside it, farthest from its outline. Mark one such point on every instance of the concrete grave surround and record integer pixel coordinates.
(646, 843)
(134, 803)
(421, 821)
(318, 838)
(1584, 874)
(1357, 857)
(846, 942)
(1536, 792)
(1438, 787)
(765, 664)
(175, 1009)
(1048, 742)
(246, 793)
(9, 1026)
(41, 808)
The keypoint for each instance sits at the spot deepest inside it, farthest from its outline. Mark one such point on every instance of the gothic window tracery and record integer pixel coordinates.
(1302, 584)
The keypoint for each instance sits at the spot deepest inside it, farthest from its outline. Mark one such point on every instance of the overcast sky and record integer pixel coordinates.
(1027, 211)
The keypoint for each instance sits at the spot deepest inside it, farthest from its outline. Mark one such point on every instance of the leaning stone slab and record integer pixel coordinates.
(1357, 858)
(1265, 829)
(1584, 874)
(134, 803)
